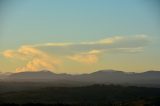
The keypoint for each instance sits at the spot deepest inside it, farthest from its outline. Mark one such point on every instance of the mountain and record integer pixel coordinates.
(148, 78)
(33, 75)
(120, 77)
(4, 75)
(43, 75)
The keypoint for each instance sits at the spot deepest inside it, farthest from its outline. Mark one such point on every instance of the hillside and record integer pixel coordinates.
(94, 94)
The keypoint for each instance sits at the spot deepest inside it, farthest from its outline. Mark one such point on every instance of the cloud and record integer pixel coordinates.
(37, 59)
(82, 52)
(125, 50)
(90, 57)
(38, 64)
(9, 53)
(106, 44)
(84, 58)
(110, 40)
(52, 44)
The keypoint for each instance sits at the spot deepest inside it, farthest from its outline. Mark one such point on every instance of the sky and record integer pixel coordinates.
(79, 36)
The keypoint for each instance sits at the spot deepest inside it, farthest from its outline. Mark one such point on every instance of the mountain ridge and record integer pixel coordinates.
(99, 77)
(107, 70)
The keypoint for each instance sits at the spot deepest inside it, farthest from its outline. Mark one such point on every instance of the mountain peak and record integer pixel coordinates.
(33, 74)
(45, 71)
(108, 71)
(151, 72)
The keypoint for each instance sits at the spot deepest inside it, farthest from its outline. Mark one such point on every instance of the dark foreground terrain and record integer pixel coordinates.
(93, 95)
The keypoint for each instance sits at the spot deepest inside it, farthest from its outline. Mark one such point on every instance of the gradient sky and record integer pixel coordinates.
(79, 36)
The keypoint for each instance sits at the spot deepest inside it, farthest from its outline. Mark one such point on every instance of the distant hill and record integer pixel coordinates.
(27, 74)
(148, 78)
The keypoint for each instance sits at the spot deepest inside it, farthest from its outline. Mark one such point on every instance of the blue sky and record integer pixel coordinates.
(42, 21)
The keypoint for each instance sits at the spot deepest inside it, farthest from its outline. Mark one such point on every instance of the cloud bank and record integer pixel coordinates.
(50, 55)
